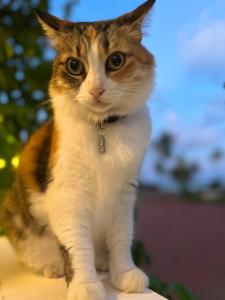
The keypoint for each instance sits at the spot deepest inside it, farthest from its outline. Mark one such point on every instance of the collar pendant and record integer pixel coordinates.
(101, 139)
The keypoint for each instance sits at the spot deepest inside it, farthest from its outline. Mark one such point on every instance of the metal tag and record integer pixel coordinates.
(101, 139)
(101, 143)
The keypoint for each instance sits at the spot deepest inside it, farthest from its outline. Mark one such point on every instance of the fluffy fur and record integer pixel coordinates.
(71, 207)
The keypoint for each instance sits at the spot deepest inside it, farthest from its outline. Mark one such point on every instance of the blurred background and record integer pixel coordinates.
(180, 236)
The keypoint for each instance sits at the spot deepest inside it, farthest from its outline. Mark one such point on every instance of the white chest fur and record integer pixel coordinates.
(126, 142)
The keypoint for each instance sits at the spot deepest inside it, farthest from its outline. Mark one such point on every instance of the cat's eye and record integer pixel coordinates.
(75, 66)
(115, 61)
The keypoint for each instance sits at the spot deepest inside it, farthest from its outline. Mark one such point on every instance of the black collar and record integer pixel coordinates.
(111, 119)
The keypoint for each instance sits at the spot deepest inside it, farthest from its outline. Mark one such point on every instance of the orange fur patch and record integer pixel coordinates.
(32, 153)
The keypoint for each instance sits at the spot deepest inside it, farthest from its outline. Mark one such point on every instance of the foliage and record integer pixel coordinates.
(24, 75)
(174, 291)
(180, 292)
(140, 256)
(164, 145)
(171, 163)
(217, 155)
(183, 172)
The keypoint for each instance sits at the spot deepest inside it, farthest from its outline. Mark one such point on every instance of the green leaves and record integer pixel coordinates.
(175, 291)
(181, 292)
(23, 70)
(159, 287)
(169, 162)
(140, 256)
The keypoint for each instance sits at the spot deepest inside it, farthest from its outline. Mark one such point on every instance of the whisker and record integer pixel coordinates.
(44, 103)
(70, 97)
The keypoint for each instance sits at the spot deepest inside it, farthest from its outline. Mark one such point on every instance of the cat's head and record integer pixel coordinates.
(101, 68)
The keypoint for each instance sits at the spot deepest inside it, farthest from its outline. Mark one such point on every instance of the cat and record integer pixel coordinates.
(70, 208)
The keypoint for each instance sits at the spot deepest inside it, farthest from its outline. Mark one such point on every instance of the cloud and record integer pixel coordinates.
(197, 135)
(172, 120)
(204, 50)
(214, 113)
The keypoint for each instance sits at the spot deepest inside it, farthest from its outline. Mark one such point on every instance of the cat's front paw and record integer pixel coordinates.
(133, 281)
(86, 291)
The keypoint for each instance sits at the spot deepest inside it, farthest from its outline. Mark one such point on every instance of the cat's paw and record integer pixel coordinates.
(86, 291)
(133, 281)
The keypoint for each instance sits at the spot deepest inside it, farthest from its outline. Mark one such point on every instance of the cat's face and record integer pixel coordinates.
(101, 68)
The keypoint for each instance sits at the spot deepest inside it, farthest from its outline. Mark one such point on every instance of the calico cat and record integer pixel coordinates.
(70, 208)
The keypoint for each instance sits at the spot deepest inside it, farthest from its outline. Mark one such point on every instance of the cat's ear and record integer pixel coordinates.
(53, 25)
(135, 19)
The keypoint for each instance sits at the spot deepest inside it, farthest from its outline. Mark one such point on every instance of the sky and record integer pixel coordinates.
(187, 39)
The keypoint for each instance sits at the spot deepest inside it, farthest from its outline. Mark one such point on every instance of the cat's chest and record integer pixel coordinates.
(124, 142)
(113, 145)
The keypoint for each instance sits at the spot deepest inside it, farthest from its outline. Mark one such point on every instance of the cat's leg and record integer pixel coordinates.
(125, 276)
(33, 240)
(41, 253)
(70, 219)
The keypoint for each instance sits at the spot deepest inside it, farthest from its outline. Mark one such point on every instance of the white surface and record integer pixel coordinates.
(19, 283)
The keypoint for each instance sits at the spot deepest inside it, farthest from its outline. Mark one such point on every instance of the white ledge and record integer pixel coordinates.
(17, 282)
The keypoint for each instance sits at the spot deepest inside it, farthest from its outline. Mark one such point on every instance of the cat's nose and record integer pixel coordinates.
(97, 92)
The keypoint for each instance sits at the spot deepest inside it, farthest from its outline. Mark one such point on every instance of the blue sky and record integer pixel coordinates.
(188, 41)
